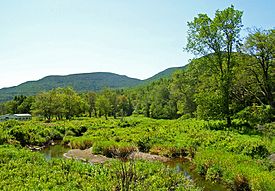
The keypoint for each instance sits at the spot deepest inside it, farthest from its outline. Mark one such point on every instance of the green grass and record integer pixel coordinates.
(238, 171)
(236, 156)
(22, 169)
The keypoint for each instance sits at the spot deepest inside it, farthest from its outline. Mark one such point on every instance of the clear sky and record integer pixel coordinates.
(137, 38)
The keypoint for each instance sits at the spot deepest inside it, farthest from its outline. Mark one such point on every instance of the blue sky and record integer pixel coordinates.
(137, 38)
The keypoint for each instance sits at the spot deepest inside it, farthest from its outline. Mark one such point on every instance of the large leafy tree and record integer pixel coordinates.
(45, 105)
(15, 105)
(103, 105)
(125, 107)
(260, 44)
(218, 37)
(73, 104)
(91, 100)
(3, 109)
(162, 106)
(60, 102)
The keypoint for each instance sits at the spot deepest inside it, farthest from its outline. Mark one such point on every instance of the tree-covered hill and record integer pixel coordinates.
(79, 82)
(164, 74)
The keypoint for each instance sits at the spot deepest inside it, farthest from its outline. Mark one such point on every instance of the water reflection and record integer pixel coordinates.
(54, 151)
(184, 166)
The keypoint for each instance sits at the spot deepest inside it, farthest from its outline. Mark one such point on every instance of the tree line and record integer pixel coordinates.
(65, 103)
(233, 77)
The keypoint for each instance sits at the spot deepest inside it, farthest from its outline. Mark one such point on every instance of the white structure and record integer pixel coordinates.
(20, 117)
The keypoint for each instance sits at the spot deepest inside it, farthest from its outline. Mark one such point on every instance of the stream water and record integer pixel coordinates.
(181, 165)
(54, 151)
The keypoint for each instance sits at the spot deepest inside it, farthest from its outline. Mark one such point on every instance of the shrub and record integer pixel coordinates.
(256, 114)
(240, 172)
(113, 149)
(80, 142)
(241, 183)
(144, 144)
(214, 173)
(169, 151)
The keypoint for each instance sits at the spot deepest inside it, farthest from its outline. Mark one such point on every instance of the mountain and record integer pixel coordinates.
(164, 74)
(80, 82)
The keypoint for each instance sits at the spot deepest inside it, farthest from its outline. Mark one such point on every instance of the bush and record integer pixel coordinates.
(214, 173)
(267, 129)
(256, 114)
(144, 144)
(79, 142)
(240, 172)
(241, 183)
(113, 149)
(169, 151)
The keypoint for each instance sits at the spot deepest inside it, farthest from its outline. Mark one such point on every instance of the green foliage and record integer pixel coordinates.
(144, 144)
(162, 106)
(79, 142)
(91, 101)
(19, 104)
(219, 37)
(210, 142)
(80, 82)
(60, 102)
(209, 105)
(267, 129)
(28, 133)
(261, 45)
(256, 114)
(25, 170)
(113, 149)
(219, 85)
(238, 171)
(164, 74)
(103, 104)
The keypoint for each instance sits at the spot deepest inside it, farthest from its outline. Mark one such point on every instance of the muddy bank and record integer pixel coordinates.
(87, 156)
(147, 156)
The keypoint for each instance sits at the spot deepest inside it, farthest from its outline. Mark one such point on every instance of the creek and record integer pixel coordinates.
(181, 165)
(54, 151)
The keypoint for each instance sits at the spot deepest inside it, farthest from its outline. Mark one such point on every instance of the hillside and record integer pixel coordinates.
(80, 82)
(164, 74)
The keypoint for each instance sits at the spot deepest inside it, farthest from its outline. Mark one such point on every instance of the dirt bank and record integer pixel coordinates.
(87, 156)
(147, 156)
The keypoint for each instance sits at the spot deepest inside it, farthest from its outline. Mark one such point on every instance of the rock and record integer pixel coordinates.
(272, 157)
(34, 148)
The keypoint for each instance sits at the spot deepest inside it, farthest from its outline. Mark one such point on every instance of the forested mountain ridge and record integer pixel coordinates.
(80, 82)
(164, 74)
